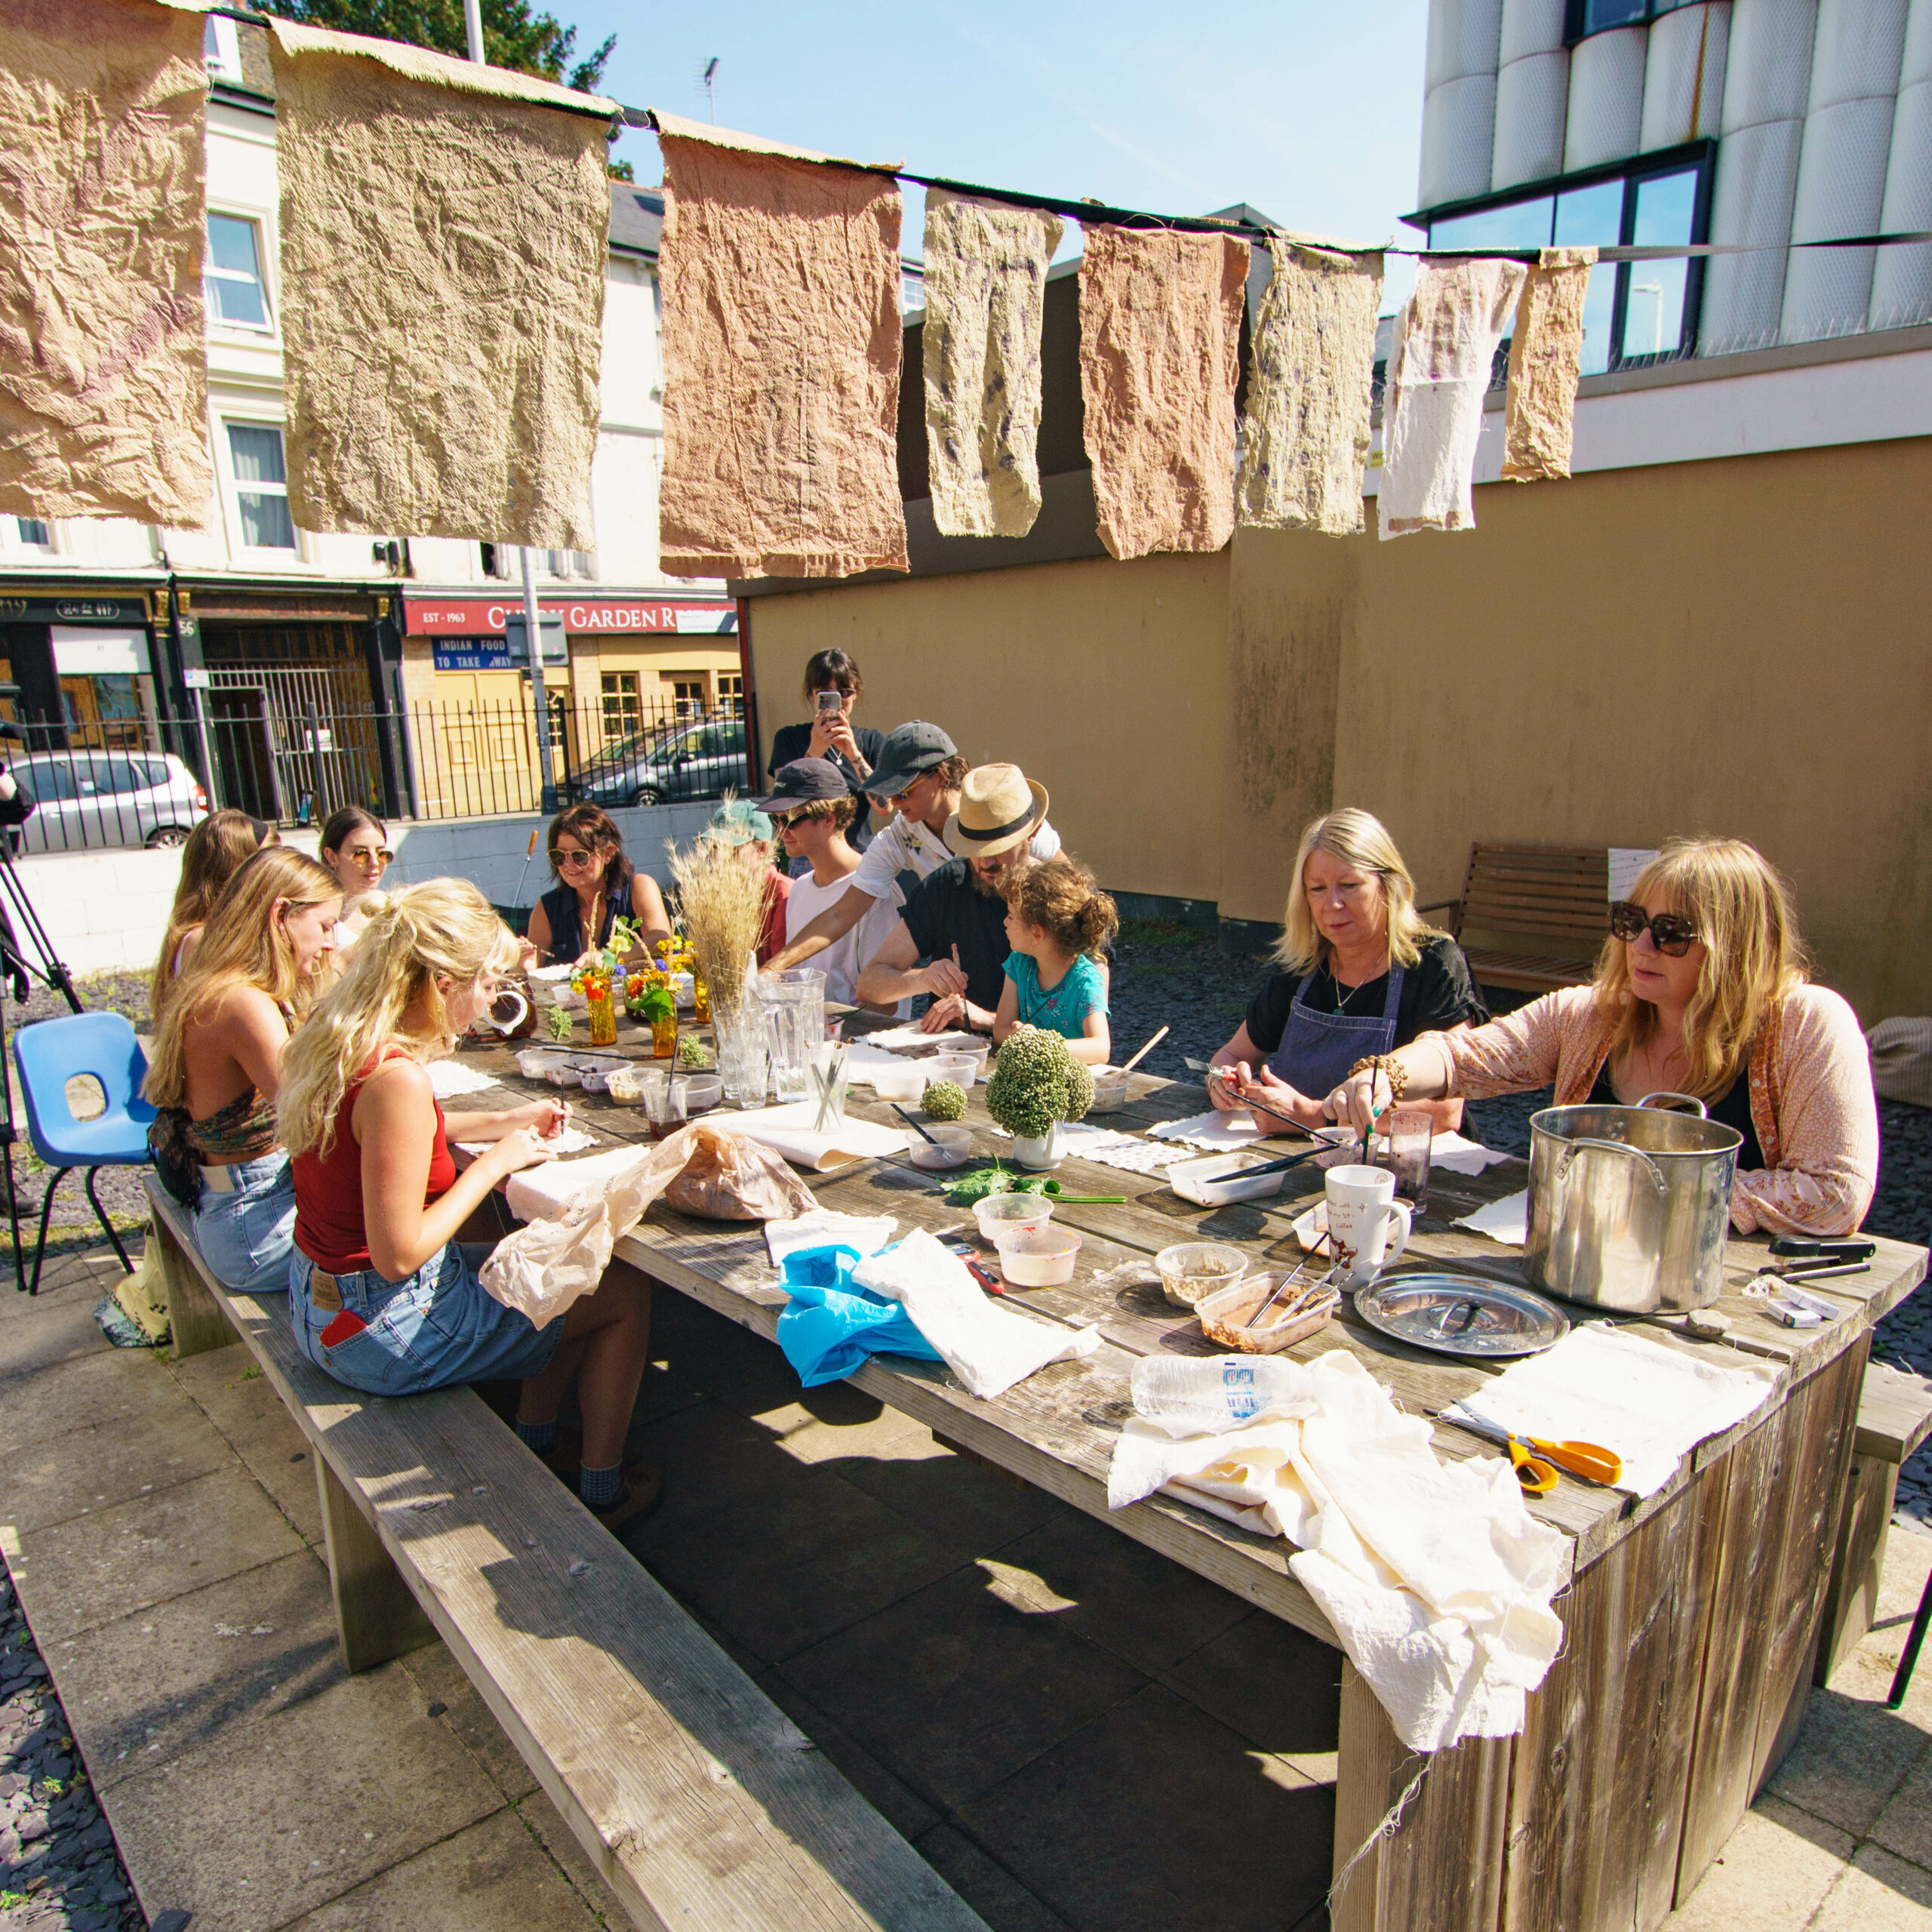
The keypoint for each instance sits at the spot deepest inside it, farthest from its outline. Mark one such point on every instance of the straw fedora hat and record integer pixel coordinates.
(999, 808)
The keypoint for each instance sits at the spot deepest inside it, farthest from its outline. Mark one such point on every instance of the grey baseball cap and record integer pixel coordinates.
(908, 751)
(802, 782)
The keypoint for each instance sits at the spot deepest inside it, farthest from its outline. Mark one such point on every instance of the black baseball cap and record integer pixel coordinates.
(909, 750)
(802, 783)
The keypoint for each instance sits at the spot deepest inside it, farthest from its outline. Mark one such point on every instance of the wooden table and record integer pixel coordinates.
(1691, 1615)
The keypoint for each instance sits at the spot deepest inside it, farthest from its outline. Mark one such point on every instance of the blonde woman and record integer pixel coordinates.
(1701, 988)
(214, 852)
(1357, 972)
(217, 1067)
(383, 1293)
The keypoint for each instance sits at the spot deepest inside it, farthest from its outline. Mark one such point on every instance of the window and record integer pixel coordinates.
(236, 292)
(620, 703)
(34, 534)
(731, 693)
(496, 558)
(688, 695)
(261, 486)
(1634, 312)
(221, 49)
(572, 563)
(1589, 16)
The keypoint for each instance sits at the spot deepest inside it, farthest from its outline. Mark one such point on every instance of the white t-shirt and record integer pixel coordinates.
(841, 964)
(907, 845)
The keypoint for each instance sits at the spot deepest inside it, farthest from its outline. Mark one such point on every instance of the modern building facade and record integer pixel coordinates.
(1754, 124)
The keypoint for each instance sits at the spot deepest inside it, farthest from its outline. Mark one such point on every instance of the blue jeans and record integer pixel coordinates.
(246, 1236)
(438, 1328)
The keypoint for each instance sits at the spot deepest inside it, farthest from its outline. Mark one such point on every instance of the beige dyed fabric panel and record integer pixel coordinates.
(1306, 433)
(1546, 358)
(103, 377)
(782, 344)
(443, 246)
(1160, 349)
(986, 289)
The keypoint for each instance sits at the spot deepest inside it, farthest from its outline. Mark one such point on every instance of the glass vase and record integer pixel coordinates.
(741, 1054)
(664, 1037)
(700, 996)
(603, 1020)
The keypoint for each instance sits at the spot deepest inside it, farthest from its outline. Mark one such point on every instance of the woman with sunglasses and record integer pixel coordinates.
(355, 846)
(1700, 989)
(596, 886)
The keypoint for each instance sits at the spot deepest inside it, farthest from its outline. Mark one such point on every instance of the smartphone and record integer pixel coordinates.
(830, 700)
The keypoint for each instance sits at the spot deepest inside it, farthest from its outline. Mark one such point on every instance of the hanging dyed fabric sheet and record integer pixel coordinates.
(1304, 436)
(103, 366)
(1160, 355)
(782, 337)
(1438, 374)
(1545, 357)
(444, 238)
(986, 289)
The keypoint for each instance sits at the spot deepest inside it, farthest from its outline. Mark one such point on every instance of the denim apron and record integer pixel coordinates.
(1318, 1049)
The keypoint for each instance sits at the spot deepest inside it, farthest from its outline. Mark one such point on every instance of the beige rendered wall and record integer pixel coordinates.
(1106, 682)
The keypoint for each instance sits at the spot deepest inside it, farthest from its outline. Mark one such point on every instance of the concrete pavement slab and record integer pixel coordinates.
(948, 1495)
(1904, 1827)
(49, 1334)
(1772, 1875)
(1851, 1755)
(1280, 1688)
(1878, 1893)
(439, 1680)
(986, 1885)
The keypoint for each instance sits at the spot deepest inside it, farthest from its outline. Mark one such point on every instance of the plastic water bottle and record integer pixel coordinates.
(1209, 1395)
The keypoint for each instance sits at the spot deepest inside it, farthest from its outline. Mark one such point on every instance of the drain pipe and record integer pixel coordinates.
(749, 699)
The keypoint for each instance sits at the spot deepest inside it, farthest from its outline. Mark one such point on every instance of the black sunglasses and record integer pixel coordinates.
(1673, 934)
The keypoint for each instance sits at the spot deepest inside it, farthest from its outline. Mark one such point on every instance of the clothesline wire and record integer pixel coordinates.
(1085, 210)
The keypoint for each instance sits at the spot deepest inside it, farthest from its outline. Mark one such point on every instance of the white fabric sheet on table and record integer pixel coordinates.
(861, 1056)
(542, 1193)
(1213, 1130)
(1649, 1403)
(1437, 1580)
(449, 1078)
(989, 1348)
(910, 1036)
(1460, 1156)
(825, 1227)
(788, 1130)
(1507, 1220)
(572, 1141)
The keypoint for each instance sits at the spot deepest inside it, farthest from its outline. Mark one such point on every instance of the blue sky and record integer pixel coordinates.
(1311, 113)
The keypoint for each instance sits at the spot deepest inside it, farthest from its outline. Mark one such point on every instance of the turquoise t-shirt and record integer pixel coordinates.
(1064, 1010)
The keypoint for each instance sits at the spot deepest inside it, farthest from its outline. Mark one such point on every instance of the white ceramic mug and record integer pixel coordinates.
(1361, 1207)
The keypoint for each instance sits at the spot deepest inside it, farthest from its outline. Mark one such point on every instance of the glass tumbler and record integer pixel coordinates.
(1402, 1145)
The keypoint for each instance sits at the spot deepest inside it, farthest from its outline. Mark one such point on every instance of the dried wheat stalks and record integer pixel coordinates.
(722, 903)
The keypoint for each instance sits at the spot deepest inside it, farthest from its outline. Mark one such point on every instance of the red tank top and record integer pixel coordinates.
(329, 1227)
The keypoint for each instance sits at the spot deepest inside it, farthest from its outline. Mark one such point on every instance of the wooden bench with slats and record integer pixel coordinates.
(1531, 917)
(699, 1801)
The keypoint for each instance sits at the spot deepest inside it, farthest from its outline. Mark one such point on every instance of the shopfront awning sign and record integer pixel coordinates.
(99, 653)
(481, 616)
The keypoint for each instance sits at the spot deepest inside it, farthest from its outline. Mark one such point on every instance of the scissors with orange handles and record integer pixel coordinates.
(1536, 1472)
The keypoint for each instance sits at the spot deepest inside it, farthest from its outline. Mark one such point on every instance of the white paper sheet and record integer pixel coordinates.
(572, 1141)
(449, 1079)
(1213, 1130)
(1463, 1156)
(788, 1130)
(1507, 1220)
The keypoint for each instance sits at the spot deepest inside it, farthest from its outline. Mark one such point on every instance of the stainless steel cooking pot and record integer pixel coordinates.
(1630, 1206)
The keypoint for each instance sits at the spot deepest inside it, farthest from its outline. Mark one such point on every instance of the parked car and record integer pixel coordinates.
(688, 761)
(89, 798)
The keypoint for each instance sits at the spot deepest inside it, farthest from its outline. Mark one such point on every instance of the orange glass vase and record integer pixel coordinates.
(603, 1020)
(664, 1037)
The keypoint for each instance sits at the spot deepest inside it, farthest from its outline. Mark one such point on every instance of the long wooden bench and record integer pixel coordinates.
(1894, 1417)
(701, 1804)
(1531, 917)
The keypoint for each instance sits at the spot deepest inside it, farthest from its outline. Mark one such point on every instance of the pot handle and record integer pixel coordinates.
(1670, 1103)
(1572, 1148)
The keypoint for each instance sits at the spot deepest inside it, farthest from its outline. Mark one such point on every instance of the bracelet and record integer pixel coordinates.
(1390, 1067)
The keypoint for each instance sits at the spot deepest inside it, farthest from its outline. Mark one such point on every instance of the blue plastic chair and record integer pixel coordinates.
(49, 1054)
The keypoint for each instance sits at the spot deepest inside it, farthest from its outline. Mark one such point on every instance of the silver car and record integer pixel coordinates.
(89, 798)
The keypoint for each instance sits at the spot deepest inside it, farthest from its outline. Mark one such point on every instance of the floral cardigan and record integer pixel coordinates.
(1811, 1097)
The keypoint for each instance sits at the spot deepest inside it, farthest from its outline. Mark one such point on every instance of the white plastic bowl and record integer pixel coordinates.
(1036, 1257)
(1189, 1179)
(954, 1148)
(962, 1070)
(1109, 1091)
(1010, 1210)
(899, 1083)
(1191, 1271)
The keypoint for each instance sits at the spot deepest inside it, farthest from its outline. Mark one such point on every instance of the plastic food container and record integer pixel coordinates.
(1036, 1257)
(535, 1063)
(1010, 1210)
(1189, 1179)
(899, 1083)
(962, 1070)
(954, 1148)
(1225, 1313)
(626, 1086)
(702, 1091)
(1109, 1091)
(978, 1055)
(1193, 1270)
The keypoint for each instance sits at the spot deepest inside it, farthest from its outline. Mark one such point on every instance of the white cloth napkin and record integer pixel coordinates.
(449, 1078)
(788, 1130)
(989, 1348)
(1507, 1220)
(1437, 1580)
(1463, 1156)
(910, 1036)
(825, 1227)
(1649, 1404)
(572, 1141)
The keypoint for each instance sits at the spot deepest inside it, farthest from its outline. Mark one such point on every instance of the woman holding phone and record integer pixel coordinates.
(833, 688)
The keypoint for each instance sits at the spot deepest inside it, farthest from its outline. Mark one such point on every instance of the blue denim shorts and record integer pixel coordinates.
(438, 1328)
(246, 1235)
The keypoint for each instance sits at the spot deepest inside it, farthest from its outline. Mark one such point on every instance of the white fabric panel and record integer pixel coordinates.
(1532, 103)
(1902, 279)
(1683, 74)
(1531, 26)
(1458, 128)
(1840, 191)
(1606, 113)
(1757, 179)
(1463, 35)
(1768, 68)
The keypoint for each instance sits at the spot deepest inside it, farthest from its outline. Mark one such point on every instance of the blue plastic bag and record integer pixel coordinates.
(830, 1326)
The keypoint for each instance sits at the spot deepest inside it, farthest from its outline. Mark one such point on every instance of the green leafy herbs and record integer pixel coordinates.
(694, 1055)
(559, 1022)
(944, 1099)
(655, 1003)
(1037, 1083)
